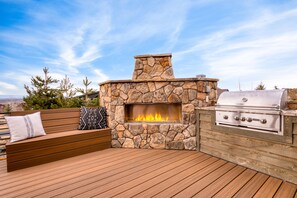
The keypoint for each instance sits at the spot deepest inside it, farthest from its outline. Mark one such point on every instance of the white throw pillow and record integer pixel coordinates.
(23, 127)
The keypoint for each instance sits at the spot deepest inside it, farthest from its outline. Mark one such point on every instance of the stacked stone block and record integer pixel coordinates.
(156, 67)
(292, 99)
(190, 93)
(153, 82)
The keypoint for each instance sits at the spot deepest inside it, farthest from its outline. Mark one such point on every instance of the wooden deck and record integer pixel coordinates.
(141, 173)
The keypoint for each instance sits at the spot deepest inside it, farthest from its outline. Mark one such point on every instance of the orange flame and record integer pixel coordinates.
(151, 118)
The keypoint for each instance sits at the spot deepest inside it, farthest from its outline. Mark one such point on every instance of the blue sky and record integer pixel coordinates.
(244, 42)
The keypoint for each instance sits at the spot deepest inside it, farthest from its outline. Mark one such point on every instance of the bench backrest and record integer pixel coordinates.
(56, 120)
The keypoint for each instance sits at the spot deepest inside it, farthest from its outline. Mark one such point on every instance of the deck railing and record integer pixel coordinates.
(4, 135)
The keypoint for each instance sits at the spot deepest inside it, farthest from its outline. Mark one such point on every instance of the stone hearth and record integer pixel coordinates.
(153, 82)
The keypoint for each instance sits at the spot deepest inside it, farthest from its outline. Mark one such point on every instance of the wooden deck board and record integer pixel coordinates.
(220, 183)
(181, 185)
(252, 186)
(206, 181)
(100, 174)
(286, 190)
(269, 189)
(154, 179)
(107, 188)
(141, 173)
(129, 188)
(233, 187)
(59, 166)
(153, 190)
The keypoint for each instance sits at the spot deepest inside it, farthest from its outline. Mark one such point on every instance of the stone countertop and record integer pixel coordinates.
(168, 80)
(284, 112)
(211, 108)
(289, 112)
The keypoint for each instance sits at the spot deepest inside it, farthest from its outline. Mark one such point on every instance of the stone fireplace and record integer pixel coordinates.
(154, 109)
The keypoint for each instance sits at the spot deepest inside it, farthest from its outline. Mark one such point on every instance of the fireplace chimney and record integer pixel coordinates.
(153, 67)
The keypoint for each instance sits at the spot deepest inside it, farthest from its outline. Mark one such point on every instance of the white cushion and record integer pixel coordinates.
(23, 127)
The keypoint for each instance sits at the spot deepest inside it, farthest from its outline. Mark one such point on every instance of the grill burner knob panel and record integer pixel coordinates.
(249, 119)
(236, 118)
(263, 121)
(225, 117)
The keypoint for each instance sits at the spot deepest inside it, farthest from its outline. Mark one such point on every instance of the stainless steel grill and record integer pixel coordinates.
(253, 110)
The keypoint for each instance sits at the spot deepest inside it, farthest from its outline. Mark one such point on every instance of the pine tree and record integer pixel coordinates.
(66, 88)
(68, 99)
(8, 109)
(41, 95)
(86, 91)
(261, 86)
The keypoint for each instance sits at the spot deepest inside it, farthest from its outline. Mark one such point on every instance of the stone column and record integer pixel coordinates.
(153, 66)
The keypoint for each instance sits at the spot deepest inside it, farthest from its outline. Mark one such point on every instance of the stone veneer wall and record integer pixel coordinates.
(292, 99)
(190, 92)
(153, 66)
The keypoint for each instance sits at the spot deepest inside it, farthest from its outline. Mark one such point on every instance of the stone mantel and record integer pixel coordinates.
(153, 55)
(167, 80)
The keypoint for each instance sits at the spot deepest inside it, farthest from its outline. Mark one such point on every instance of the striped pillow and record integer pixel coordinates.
(92, 118)
(23, 127)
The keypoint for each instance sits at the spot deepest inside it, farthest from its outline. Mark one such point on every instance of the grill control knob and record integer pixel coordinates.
(263, 121)
(243, 119)
(249, 119)
(236, 118)
(225, 117)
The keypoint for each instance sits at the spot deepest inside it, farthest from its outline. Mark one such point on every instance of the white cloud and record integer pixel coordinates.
(74, 37)
(254, 50)
(101, 76)
(7, 86)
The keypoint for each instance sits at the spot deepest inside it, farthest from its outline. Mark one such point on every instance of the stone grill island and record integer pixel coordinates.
(155, 109)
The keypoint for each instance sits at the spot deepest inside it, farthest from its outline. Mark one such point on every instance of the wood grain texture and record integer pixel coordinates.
(250, 189)
(233, 187)
(286, 190)
(285, 163)
(141, 173)
(55, 139)
(269, 155)
(269, 188)
(54, 119)
(62, 140)
(220, 183)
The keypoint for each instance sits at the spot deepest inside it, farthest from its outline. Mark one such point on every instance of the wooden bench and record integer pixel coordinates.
(63, 140)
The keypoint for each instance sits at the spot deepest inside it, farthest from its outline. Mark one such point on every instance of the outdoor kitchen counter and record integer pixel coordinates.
(290, 113)
(272, 154)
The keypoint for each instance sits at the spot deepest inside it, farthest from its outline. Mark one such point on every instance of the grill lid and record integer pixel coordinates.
(259, 99)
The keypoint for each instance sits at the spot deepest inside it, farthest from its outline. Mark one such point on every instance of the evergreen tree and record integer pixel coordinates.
(41, 95)
(86, 91)
(261, 86)
(66, 88)
(8, 108)
(67, 98)
(93, 103)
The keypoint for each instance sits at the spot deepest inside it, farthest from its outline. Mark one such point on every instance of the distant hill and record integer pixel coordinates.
(15, 102)
(5, 101)
(10, 98)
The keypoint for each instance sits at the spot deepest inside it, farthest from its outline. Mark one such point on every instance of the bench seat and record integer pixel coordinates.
(56, 145)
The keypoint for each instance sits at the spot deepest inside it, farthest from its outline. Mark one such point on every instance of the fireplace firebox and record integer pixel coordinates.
(157, 112)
